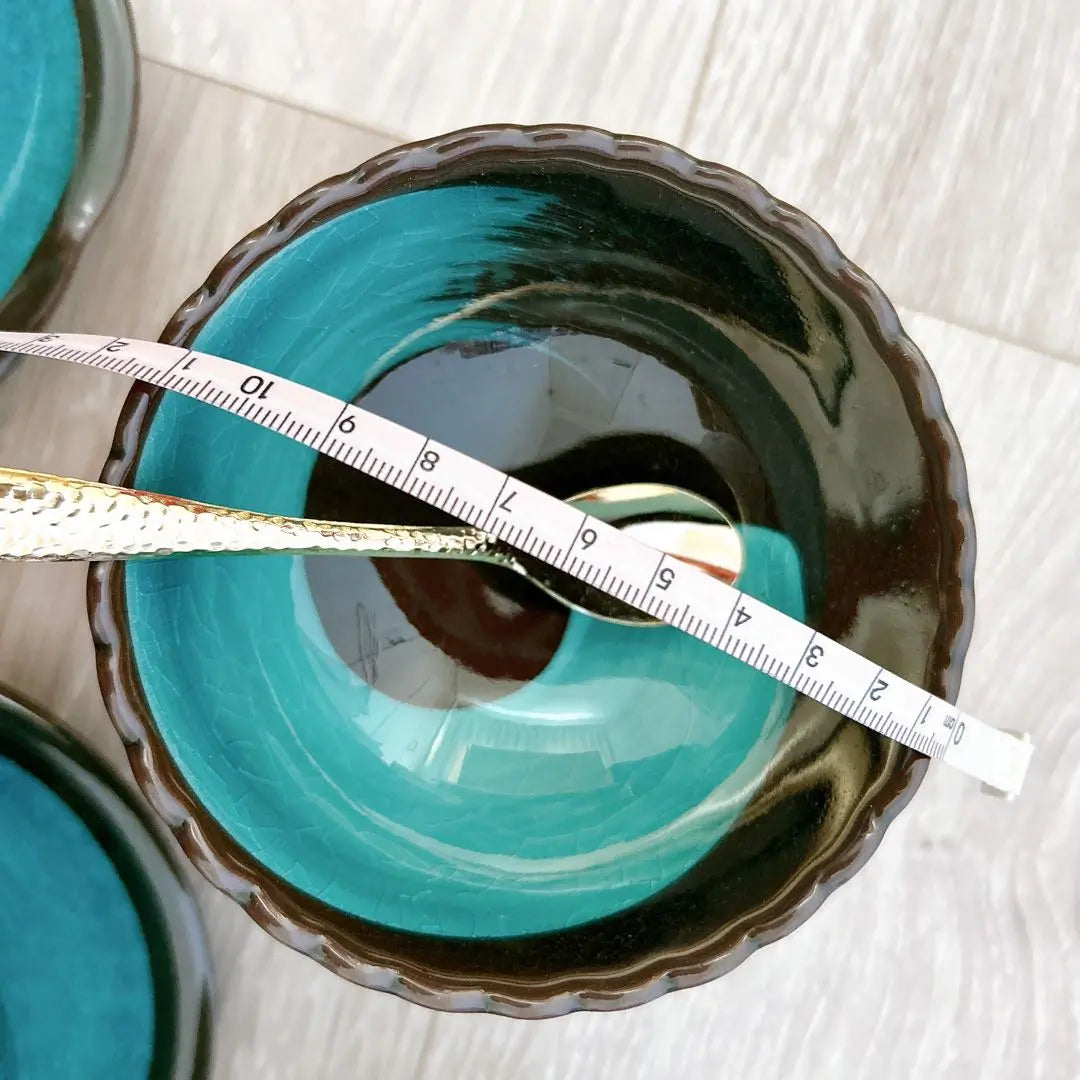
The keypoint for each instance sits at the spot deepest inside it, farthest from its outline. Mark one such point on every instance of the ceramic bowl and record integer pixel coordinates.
(104, 962)
(68, 78)
(431, 778)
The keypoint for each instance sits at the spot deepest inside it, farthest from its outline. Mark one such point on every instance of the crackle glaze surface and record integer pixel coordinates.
(41, 87)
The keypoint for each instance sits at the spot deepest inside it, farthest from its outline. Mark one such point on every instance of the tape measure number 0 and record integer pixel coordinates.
(568, 539)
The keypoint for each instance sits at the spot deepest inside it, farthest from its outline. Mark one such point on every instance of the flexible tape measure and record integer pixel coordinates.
(581, 545)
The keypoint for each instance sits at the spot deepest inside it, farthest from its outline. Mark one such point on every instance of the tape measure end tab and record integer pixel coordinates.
(1010, 794)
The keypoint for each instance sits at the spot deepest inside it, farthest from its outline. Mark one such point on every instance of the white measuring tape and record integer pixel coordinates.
(556, 533)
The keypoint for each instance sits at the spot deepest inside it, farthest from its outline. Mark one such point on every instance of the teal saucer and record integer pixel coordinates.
(68, 88)
(41, 101)
(426, 775)
(103, 971)
(64, 898)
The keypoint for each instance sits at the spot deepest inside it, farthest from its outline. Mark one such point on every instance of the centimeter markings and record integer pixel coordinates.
(543, 526)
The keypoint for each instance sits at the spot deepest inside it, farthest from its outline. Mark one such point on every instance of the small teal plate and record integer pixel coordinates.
(41, 98)
(103, 974)
(578, 793)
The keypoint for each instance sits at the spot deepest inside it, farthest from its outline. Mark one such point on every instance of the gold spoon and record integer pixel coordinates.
(47, 518)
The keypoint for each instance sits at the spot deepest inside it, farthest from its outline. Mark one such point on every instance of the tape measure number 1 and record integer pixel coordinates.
(556, 533)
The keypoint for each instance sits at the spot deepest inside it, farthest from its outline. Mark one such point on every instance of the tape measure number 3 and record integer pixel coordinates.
(565, 537)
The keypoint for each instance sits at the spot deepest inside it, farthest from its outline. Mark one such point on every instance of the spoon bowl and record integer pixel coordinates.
(671, 519)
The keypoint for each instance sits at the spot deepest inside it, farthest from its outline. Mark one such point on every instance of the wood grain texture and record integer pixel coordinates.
(938, 140)
(955, 953)
(419, 68)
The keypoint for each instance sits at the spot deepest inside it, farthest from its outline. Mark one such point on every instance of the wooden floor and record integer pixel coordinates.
(940, 143)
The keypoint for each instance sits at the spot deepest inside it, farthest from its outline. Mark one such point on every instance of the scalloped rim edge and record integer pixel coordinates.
(708, 958)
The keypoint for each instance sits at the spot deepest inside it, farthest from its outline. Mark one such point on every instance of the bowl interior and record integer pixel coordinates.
(440, 750)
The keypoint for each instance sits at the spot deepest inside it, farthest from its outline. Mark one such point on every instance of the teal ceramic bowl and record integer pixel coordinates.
(431, 776)
(67, 106)
(103, 968)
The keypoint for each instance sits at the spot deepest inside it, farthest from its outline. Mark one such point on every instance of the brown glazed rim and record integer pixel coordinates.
(286, 912)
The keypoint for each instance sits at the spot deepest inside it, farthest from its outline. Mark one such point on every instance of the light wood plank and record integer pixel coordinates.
(952, 954)
(420, 68)
(939, 141)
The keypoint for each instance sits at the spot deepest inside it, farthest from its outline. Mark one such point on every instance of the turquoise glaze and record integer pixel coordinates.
(41, 91)
(572, 797)
(76, 996)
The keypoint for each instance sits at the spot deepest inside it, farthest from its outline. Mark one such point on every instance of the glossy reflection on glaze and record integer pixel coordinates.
(820, 419)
